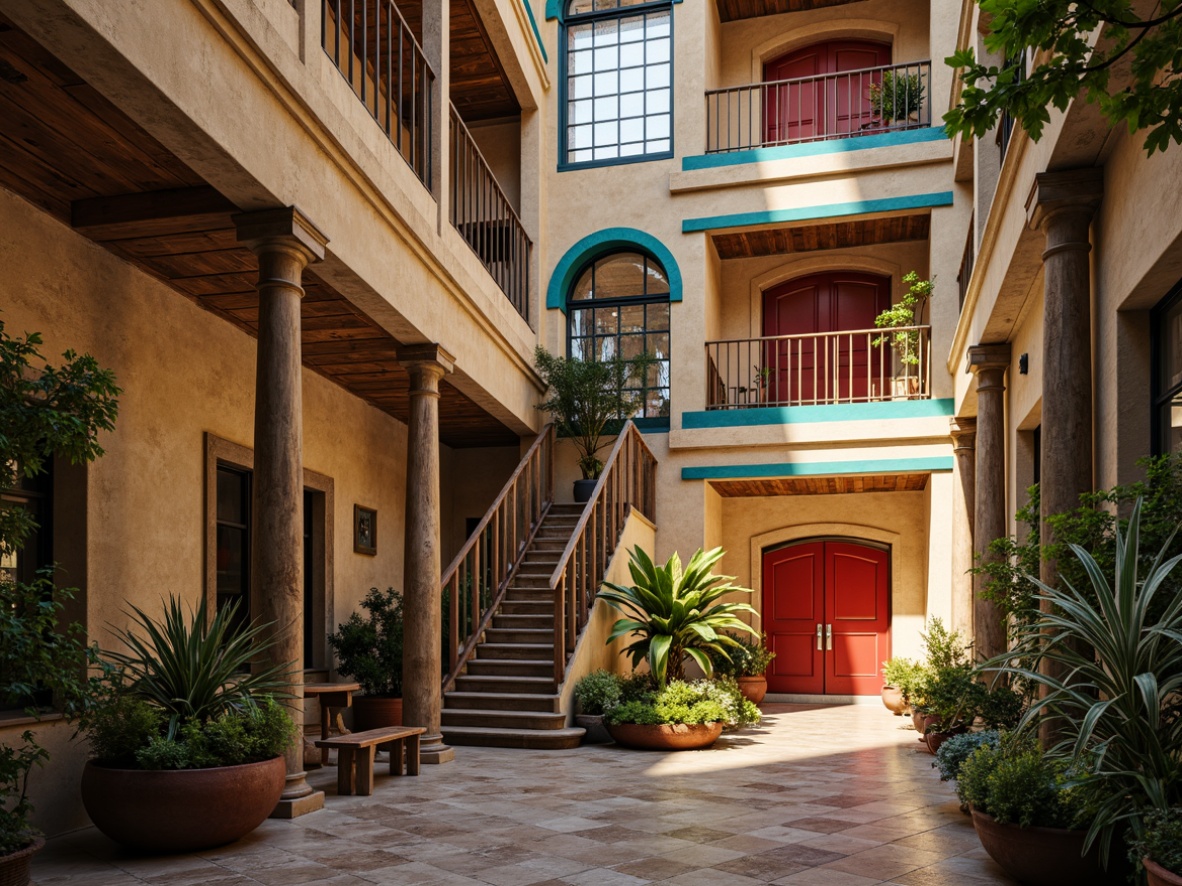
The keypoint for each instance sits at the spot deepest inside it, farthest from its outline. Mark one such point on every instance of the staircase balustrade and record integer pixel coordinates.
(475, 583)
(628, 481)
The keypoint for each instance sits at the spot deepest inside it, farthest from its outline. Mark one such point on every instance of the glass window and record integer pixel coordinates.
(619, 67)
(1167, 374)
(619, 304)
(233, 541)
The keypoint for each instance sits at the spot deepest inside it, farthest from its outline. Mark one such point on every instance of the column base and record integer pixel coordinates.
(437, 753)
(298, 806)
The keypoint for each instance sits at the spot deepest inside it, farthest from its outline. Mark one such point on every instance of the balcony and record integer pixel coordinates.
(868, 101)
(818, 369)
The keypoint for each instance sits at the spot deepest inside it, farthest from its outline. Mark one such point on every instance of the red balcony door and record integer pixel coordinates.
(823, 370)
(820, 108)
(826, 611)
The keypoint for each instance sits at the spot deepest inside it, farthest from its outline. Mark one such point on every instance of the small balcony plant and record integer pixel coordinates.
(898, 98)
(906, 340)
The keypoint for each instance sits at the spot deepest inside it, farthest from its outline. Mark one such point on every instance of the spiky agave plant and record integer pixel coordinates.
(675, 612)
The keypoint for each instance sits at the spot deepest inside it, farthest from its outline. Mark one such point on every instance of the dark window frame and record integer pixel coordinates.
(1160, 396)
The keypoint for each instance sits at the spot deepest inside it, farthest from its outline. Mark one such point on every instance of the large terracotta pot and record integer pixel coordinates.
(892, 699)
(1159, 876)
(14, 867)
(753, 688)
(1045, 856)
(376, 712)
(181, 810)
(666, 737)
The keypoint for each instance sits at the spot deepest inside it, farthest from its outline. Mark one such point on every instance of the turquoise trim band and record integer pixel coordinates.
(537, 33)
(655, 425)
(831, 210)
(554, 8)
(600, 243)
(819, 468)
(812, 149)
(788, 415)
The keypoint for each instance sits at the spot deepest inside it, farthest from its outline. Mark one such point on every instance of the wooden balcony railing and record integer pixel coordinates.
(851, 103)
(629, 480)
(475, 583)
(851, 366)
(372, 46)
(486, 219)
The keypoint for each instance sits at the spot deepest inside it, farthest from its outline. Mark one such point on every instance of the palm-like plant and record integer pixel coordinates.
(1117, 698)
(193, 668)
(674, 612)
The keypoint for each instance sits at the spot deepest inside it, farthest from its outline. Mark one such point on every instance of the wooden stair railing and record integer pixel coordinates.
(629, 480)
(475, 583)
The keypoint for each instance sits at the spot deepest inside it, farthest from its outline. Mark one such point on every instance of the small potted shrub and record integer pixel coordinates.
(596, 693)
(746, 662)
(680, 715)
(958, 748)
(897, 97)
(188, 740)
(1160, 847)
(369, 649)
(898, 675)
(945, 652)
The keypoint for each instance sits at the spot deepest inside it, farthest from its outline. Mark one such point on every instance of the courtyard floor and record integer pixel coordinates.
(837, 796)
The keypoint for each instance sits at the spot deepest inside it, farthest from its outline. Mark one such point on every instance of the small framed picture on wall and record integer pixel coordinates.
(365, 530)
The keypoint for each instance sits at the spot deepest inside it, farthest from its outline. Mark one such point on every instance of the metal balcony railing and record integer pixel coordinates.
(851, 366)
(376, 52)
(851, 103)
(485, 218)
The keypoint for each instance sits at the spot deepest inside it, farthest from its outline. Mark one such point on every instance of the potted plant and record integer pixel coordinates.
(596, 693)
(188, 739)
(674, 613)
(906, 339)
(898, 675)
(678, 715)
(369, 649)
(953, 753)
(1159, 848)
(944, 651)
(897, 97)
(746, 662)
(586, 398)
(45, 412)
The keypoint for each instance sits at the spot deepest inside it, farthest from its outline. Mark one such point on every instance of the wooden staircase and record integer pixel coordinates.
(508, 697)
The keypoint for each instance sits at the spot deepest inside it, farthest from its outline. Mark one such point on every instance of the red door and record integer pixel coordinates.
(821, 104)
(807, 371)
(826, 611)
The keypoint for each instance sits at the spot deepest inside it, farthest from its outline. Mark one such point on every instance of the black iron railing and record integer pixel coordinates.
(967, 261)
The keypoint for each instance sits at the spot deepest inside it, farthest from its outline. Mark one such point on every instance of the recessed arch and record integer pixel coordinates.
(798, 38)
(593, 246)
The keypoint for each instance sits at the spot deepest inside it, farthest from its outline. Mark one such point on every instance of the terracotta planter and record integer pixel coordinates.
(1159, 876)
(596, 732)
(933, 740)
(892, 699)
(181, 810)
(1044, 856)
(376, 712)
(753, 688)
(666, 737)
(14, 868)
(917, 721)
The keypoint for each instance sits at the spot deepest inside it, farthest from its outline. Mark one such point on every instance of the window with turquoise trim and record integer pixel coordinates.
(619, 72)
(619, 304)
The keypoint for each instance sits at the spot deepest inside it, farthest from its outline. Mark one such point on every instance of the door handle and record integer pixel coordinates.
(828, 636)
(820, 646)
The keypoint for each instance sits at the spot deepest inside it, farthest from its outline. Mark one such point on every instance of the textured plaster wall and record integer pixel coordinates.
(469, 482)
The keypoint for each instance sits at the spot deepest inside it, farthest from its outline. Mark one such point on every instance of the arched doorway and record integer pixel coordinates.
(826, 613)
(816, 368)
(822, 104)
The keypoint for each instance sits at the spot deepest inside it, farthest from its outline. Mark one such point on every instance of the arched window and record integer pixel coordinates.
(619, 68)
(619, 304)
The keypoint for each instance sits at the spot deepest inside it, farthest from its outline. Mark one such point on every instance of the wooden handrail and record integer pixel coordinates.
(628, 481)
(493, 552)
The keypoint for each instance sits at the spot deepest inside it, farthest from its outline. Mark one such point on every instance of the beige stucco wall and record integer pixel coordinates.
(469, 481)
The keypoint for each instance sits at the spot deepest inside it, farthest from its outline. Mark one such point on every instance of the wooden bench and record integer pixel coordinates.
(356, 752)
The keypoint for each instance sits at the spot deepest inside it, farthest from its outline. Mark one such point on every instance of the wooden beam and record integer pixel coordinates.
(151, 214)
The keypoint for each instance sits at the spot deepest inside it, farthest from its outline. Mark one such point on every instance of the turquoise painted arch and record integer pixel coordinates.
(601, 243)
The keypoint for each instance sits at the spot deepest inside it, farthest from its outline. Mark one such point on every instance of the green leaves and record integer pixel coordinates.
(675, 612)
(369, 649)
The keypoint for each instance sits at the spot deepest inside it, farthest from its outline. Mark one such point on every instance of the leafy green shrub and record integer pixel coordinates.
(897, 96)
(598, 692)
(121, 727)
(1017, 783)
(638, 687)
(369, 649)
(955, 750)
(249, 735)
(703, 701)
(745, 659)
(635, 711)
(902, 673)
(1161, 840)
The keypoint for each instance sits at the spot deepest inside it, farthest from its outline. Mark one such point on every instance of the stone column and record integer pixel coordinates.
(964, 451)
(1061, 205)
(422, 667)
(989, 364)
(285, 242)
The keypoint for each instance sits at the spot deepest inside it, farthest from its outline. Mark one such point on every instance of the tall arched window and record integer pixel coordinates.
(618, 79)
(619, 304)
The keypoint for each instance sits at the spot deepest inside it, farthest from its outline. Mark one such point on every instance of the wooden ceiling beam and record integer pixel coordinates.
(151, 214)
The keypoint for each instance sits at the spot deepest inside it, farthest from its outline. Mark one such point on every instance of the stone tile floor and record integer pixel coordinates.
(838, 796)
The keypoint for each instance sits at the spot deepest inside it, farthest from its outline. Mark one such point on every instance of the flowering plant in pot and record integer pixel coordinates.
(678, 715)
(746, 662)
(900, 676)
(369, 649)
(1159, 848)
(188, 739)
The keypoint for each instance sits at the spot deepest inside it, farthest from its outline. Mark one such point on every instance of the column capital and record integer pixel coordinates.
(985, 357)
(963, 431)
(284, 226)
(426, 355)
(1077, 191)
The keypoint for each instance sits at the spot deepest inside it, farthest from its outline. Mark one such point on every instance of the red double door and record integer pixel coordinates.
(823, 369)
(832, 95)
(826, 612)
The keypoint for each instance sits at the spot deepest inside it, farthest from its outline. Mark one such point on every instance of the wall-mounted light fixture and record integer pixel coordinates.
(1024, 364)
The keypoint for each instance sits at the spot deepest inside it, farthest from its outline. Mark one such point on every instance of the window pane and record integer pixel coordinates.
(607, 108)
(655, 282)
(578, 6)
(231, 496)
(619, 276)
(607, 33)
(632, 29)
(632, 318)
(632, 131)
(658, 345)
(581, 112)
(580, 36)
(581, 62)
(657, 76)
(657, 50)
(607, 82)
(607, 58)
(231, 562)
(631, 55)
(657, 25)
(1171, 350)
(581, 87)
(657, 101)
(632, 105)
